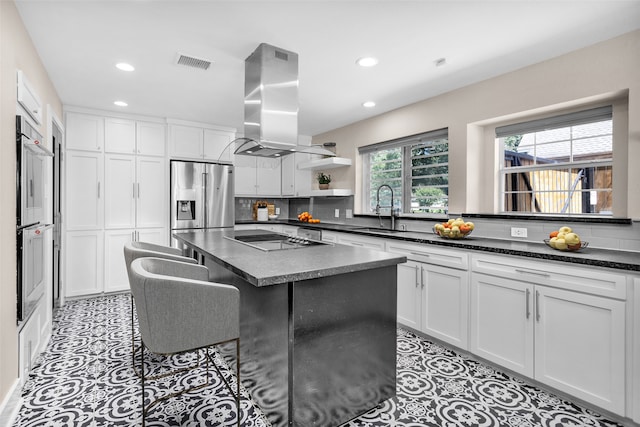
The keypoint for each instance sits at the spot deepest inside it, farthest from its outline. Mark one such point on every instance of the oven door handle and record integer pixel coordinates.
(23, 227)
(39, 228)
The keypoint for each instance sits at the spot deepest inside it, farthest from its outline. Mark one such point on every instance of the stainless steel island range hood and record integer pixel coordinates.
(271, 105)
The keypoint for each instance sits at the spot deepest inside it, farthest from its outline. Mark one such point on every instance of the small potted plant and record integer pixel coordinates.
(323, 181)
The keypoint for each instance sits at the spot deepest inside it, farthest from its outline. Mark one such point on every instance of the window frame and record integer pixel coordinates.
(406, 145)
(591, 115)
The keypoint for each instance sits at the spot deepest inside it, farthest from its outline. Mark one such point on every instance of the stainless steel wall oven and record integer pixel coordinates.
(30, 217)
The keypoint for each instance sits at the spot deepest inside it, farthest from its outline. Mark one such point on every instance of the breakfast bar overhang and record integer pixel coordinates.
(317, 326)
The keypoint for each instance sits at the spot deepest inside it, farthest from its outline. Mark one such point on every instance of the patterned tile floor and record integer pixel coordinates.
(85, 378)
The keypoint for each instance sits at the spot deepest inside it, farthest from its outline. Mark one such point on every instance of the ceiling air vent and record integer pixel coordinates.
(190, 61)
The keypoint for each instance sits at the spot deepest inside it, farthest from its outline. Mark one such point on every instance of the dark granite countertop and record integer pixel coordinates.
(262, 268)
(621, 260)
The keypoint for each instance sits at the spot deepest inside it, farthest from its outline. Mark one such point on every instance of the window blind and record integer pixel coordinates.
(404, 141)
(563, 120)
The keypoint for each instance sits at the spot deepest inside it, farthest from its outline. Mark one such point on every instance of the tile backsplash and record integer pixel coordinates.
(599, 234)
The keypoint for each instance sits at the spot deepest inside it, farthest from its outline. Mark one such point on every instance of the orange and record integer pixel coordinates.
(553, 234)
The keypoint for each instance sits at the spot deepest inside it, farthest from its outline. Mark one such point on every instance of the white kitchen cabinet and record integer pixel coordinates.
(288, 165)
(361, 241)
(197, 143)
(135, 193)
(502, 322)
(569, 336)
(410, 294)
(151, 139)
(84, 132)
(268, 179)
(84, 263)
(32, 338)
(119, 135)
(185, 141)
(245, 175)
(580, 345)
(151, 192)
(433, 291)
(116, 278)
(257, 176)
(84, 190)
(445, 300)
(295, 182)
(120, 191)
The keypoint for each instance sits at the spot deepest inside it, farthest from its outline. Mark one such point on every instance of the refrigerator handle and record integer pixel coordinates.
(206, 202)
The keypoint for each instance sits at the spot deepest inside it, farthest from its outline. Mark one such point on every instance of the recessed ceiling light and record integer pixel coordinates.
(124, 66)
(369, 104)
(120, 103)
(367, 61)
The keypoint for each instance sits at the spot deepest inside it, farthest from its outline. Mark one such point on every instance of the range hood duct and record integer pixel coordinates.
(271, 105)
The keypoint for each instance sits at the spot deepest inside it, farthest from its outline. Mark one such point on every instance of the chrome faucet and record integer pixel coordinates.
(392, 213)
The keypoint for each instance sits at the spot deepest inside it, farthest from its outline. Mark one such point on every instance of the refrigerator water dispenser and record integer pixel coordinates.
(186, 210)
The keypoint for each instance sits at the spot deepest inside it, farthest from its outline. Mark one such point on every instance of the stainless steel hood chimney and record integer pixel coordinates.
(271, 105)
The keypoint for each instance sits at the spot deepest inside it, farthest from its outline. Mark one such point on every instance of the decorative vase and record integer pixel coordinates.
(323, 186)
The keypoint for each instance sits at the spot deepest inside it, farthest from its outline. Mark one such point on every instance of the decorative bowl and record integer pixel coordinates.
(273, 216)
(583, 245)
(449, 236)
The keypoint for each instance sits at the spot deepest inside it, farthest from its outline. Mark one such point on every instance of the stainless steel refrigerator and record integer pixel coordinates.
(202, 196)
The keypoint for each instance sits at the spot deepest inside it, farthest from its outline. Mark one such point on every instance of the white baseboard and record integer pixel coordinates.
(11, 404)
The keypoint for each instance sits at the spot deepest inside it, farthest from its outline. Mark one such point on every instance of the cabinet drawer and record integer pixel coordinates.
(364, 242)
(430, 255)
(560, 275)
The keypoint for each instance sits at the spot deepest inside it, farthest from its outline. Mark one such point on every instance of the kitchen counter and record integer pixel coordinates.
(317, 326)
(267, 268)
(621, 260)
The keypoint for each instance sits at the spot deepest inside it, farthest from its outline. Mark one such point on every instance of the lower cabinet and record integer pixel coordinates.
(33, 338)
(410, 294)
(359, 241)
(84, 268)
(116, 278)
(569, 340)
(432, 297)
(94, 260)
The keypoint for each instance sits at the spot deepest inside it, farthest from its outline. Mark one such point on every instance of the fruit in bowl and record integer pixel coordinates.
(565, 239)
(453, 229)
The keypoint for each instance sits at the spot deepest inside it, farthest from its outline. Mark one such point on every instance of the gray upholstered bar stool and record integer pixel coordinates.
(134, 250)
(179, 311)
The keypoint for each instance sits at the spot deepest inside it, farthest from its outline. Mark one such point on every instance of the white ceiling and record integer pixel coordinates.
(79, 43)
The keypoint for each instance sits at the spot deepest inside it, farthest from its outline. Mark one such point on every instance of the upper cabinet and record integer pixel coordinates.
(151, 138)
(258, 176)
(198, 143)
(134, 137)
(29, 99)
(90, 132)
(84, 132)
(119, 136)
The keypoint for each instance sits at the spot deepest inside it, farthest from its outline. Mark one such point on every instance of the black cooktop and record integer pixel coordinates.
(270, 241)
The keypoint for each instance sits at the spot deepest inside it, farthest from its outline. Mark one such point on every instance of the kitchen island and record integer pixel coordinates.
(317, 325)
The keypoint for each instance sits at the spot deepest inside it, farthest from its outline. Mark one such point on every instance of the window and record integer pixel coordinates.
(416, 168)
(559, 165)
